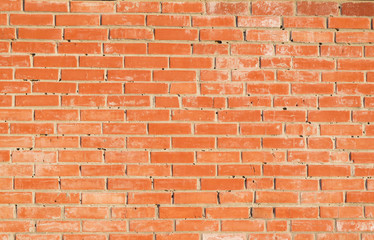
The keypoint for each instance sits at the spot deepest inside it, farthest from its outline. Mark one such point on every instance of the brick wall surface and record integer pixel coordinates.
(195, 120)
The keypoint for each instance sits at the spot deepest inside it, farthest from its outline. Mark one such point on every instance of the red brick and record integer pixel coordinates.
(195, 198)
(235, 63)
(328, 116)
(83, 6)
(3, 20)
(83, 184)
(138, 7)
(6, 74)
(15, 61)
(34, 47)
(312, 37)
(292, 50)
(147, 115)
(103, 198)
(129, 75)
(129, 236)
(85, 34)
(213, 21)
(317, 8)
(222, 49)
(102, 142)
(186, 170)
(193, 115)
(84, 75)
(182, 7)
(318, 88)
(15, 87)
(58, 226)
(176, 34)
(350, 23)
(239, 115)
(300, 212)
(33, 183)
(272, 8)
(236, 197)
(266, 35)
(322, 197)
(259, 21)
(238, 170)
(342, 77)
(296, 184)
(41, 74)
(357, 9)
(328, 236)
(125, 48)
(100, 88)
(312, 225)
(101, 62)
(55, 61)
(341, 130)
(31, 19)
(148, 142)
(77, 20)
(303, 63)
(361, 157)
(86, 212)
(283, 143)
(278, 197)
(264, 88)
(11, 5)
(177, 184)
(16, 226)
(221, 34)
(354, 37)
(168, 20)
(40, 33)
(39, 212)
(131, 33)
(124, 128)
(45, 6)
(354, 225)
(347, 143)
(10, 33)
(121, 20)
(223, 8)
(88, 101)
(304, 22)
(169, 48)
(133, 212)
(157, 170)
(222, 184)
(275, 62)
(146, 62)
(129, 184)
(126, 157)
(193, 142)
(345, 212)
(37, 101)
(181, 212)
(243, 225)
(151, 225)
(264, 101)
(30, 128)
(342, 184)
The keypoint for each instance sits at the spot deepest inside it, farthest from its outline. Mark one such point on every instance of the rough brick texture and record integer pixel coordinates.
(195, 120)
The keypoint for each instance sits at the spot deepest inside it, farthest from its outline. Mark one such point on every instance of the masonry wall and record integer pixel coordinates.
(192, 120)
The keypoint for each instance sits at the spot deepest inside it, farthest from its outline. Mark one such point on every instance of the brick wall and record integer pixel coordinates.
(196, 120)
